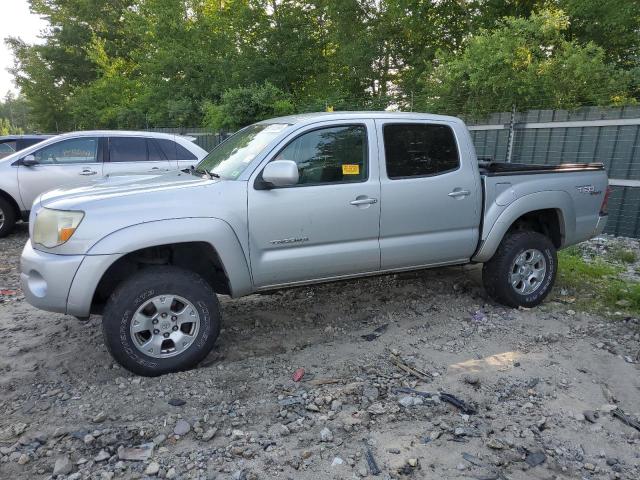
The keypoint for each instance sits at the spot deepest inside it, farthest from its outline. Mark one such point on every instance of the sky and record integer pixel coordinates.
(15, 21)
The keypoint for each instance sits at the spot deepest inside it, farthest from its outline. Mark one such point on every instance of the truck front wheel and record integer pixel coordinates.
(522, 271)
(161, 320)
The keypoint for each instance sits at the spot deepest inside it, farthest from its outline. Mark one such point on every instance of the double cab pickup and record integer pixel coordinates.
(292, 201)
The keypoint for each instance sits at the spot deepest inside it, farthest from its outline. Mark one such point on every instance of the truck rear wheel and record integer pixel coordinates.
(7, 218)
(522, 271)
(161, 320)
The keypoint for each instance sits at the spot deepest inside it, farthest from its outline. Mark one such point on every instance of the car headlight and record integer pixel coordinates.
(55, 227)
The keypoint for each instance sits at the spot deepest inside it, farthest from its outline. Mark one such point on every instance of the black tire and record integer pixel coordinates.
(147, 284)
(496, 272)
(8, 217)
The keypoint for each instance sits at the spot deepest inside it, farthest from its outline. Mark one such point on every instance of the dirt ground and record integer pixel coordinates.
(539, 386)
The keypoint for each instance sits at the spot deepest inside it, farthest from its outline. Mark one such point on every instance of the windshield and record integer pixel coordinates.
(230, 158)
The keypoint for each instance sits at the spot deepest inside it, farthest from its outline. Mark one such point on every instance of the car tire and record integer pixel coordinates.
(7, 217)
(162, 319)
(522, 271)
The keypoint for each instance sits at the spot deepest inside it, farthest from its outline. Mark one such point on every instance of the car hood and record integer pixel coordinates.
(68, 198)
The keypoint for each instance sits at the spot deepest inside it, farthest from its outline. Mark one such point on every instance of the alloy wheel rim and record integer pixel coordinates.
(528, 271)
(164, 326)
(1, 218)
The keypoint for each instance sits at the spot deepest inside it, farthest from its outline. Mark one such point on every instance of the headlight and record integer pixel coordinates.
(55, 227)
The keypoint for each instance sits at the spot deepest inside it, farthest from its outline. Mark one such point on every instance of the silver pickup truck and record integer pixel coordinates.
(292, 201)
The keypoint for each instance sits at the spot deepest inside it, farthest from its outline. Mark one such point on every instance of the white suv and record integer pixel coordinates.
(79, 158)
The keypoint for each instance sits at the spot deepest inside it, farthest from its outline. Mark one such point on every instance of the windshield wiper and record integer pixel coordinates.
(194, 171)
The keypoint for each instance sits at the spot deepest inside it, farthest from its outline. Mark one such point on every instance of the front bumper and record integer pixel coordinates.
(46, 278)
(62, 283)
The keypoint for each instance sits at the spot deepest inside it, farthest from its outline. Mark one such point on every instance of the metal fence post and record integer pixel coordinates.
(512, 122)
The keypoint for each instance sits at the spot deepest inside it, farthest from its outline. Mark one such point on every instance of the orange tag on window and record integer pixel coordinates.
(351, 169)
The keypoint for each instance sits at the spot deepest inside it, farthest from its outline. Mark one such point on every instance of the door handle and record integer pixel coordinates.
(88, 172)
(364, 201)
(459, 193)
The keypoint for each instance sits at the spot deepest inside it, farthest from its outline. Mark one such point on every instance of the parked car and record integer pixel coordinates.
(10, 144)
(80, 158)
(293, 201)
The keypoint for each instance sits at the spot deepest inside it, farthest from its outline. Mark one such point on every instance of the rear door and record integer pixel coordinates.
(134, 155)
(328, 224)
(429, 196)
(179, 156)
(74, 161)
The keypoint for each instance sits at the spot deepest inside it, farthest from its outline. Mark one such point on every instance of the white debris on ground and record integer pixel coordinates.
(532, 393)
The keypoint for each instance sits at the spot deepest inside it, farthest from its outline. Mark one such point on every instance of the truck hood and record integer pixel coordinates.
(73, 197)
(117, 203)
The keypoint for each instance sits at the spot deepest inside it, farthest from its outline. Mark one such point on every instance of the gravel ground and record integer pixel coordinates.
(538, 387)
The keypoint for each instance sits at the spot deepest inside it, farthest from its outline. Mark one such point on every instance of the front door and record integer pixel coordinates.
(135, 155)
(328, 224)
(75, 161)
(430, 200)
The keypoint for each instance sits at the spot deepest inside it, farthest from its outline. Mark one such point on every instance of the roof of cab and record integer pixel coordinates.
(320, 116)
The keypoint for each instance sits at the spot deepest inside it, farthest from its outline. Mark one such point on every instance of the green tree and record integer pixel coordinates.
(48, 74)
(7, 128)
(614, 25)
(525, 62)
(245, 105)
(139, 63)
(16, 111)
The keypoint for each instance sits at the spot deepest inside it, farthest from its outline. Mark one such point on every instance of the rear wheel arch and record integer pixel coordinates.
(550, 213)
(549, 222)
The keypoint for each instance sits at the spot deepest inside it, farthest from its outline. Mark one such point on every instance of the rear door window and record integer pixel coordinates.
(419, 150)
(128, 149)
(155, 154)
(174, 151)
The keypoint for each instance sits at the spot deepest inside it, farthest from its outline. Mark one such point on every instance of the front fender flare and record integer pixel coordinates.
(548, 200)
(214, 231)
(109, 249)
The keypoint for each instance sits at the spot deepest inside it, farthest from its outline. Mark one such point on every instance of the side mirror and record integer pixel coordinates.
(281, 173)
(29, 161)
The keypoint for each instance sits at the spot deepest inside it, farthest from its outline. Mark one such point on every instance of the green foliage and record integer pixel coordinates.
(245, 105)
(625, 296)
(7, 128)
(139, 63)
(524, 62)
(614, 25)
(597, 283)
(622, 255)
(575, 272)
(14, 113)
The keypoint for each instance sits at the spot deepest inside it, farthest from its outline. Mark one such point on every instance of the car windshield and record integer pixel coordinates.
(230, 158)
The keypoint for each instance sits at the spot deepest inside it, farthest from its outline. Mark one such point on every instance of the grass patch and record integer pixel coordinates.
(575, 272)
(623, 295)
(622, 255)
(596, 284)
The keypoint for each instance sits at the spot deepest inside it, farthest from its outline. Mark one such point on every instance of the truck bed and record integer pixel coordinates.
(571, 192)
